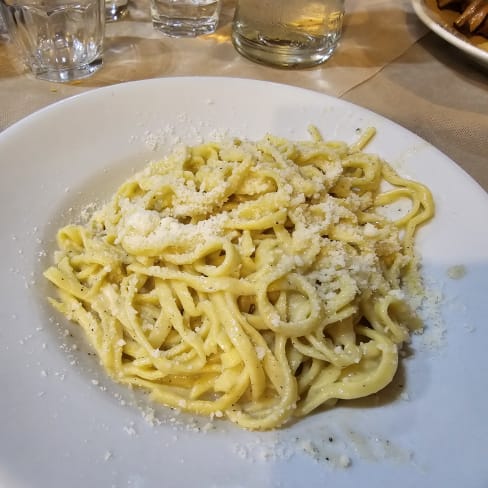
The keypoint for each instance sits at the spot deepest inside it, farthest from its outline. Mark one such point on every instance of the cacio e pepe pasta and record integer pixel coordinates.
(258, 280)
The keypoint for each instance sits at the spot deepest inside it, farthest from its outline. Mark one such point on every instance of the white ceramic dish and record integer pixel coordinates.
(434, 21)
(63, 423)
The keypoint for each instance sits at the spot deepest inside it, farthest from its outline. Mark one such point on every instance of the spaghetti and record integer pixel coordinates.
(256, 280)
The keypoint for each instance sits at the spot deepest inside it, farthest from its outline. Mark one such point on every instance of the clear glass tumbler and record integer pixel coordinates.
(185, 18)
(59, 40)
(292, 33)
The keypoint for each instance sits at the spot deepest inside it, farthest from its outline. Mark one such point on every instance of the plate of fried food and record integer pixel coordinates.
(462, 23)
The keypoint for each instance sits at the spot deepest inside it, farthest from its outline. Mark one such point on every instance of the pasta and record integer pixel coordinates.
(252, 280)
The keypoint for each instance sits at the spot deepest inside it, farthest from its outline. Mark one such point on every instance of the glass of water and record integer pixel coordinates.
(185, 18)
(59, 40)
(292, 33)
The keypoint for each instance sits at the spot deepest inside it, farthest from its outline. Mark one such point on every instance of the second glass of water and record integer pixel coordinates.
(185, 18)
(292, 33)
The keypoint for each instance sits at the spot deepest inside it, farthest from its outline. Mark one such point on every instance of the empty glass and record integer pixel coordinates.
(59, 40)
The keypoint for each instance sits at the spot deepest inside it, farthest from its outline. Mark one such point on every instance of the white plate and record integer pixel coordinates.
(64, 424)
(431, 17)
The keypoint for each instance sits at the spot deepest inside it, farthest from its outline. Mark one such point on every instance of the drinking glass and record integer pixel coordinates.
(185, 18)
(59, 40)
(292, 33)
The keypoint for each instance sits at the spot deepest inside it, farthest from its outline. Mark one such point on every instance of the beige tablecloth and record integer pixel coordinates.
(387, 61)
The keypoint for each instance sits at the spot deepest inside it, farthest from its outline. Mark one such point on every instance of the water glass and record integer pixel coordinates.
(116, 9)
(292, 33)
(185, 18)
(59, 40)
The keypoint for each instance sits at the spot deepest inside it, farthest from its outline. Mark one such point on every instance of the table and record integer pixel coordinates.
(387, 61)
